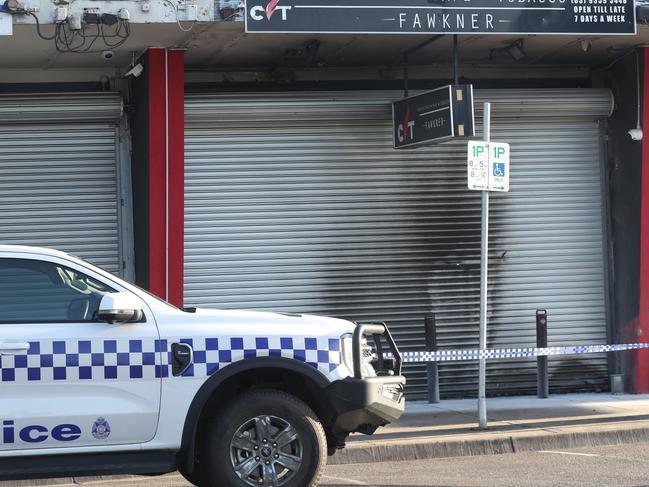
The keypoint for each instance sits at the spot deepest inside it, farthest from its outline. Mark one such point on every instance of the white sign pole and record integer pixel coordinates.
(484, 267)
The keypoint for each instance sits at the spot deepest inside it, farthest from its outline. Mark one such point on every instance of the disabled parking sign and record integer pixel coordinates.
(499, 161)
(488, 166)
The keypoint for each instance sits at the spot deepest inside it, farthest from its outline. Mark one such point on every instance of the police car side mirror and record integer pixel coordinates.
(120, 308)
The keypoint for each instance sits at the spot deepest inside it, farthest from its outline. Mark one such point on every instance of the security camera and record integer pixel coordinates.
(107, 55)
(135, 71)
(636, 133)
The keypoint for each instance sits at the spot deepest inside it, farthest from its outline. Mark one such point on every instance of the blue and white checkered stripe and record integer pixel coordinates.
(82, 360)
(509, 353)
(212, 354)
(97, 359)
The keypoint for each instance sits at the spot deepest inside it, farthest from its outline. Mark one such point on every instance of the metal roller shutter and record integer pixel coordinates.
(69, 107)
(58, 174)
(297, 202)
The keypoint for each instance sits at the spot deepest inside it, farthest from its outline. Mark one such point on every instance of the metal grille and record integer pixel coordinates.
(69, 107)
(59, 189)
(297, 202)
(58, 181)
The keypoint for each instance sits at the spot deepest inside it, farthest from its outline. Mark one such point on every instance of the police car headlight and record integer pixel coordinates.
(368, 355)
(347, 351)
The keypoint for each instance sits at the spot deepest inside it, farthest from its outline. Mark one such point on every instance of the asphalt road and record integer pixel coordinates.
(622, 465)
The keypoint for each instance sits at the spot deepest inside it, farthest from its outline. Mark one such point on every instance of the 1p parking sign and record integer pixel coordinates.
(488, 166)
(499, 161)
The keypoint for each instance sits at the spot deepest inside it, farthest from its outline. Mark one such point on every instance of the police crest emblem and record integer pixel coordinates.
(101, 429)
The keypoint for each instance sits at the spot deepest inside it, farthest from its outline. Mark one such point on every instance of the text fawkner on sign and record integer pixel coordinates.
(446, 21)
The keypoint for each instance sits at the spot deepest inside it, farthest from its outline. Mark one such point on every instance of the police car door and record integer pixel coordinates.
(66, 379)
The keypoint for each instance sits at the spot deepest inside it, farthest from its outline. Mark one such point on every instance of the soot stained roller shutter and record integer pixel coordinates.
(298, 202)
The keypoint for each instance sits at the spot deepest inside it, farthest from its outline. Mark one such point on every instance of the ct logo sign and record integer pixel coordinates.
(260, 12)
(406, 129)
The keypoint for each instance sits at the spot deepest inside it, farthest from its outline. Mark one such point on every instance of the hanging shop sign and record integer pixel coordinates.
(433, 116)
(559, 17)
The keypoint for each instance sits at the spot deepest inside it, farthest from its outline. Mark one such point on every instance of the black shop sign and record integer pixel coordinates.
(559, 17)
(434, 116)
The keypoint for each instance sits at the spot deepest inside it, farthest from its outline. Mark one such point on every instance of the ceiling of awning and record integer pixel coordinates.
(225, 45)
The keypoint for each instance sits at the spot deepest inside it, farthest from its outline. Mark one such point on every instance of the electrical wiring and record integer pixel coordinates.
(38, 28)
(117, 34)
(93, 39)
(177, 9)
(83, 41)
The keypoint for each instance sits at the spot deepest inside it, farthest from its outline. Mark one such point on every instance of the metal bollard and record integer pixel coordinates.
(542, 380)
(432, 368)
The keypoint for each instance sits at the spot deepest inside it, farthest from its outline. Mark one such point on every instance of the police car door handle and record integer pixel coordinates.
(13, 348)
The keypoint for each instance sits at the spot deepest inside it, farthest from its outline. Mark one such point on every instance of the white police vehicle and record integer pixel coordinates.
(98, 376)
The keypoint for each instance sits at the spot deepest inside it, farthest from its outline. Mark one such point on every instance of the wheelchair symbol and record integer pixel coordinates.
(499, 170)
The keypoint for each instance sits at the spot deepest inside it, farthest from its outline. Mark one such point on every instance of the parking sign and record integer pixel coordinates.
(499, 160)
(488, 166)
(478, 165)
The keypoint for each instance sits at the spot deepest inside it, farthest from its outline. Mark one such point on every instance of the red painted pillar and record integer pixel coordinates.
(642, 356)
(166, 86)
(177, 177)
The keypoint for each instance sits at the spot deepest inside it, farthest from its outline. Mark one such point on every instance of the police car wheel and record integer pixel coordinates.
(265, 437)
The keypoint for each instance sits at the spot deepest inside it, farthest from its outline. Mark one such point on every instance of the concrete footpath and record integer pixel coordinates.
(450, 428)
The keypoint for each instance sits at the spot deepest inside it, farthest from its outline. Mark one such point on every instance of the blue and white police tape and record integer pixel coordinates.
(505, 353)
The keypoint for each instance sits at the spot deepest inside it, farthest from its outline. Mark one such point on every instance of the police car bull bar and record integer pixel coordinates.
(377, 330)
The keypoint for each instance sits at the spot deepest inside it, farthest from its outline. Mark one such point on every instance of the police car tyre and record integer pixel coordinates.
(269, 437)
